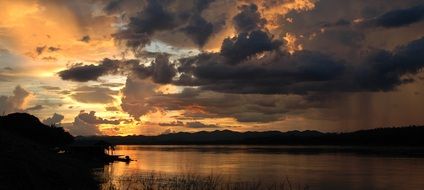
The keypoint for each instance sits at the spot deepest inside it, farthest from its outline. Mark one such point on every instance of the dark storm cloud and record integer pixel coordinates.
(252, 78)
(398, 18)
(84, 73)
(251, 38)
(244, 45)
(322, 28)
(249, 19)
(154, 17)
(384, 70)
(162, 20)
(274, 73)
(161, 70)
(198, 30)
(201, 5)
(282, 73)
(305, 71)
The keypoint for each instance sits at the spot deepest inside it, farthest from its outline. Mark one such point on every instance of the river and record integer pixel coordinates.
(317, 170)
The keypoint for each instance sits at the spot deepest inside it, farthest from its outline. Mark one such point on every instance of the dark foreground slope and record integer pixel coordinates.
(29, 159)
(402, 136)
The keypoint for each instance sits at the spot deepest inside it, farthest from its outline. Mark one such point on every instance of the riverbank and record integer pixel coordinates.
(30, 165)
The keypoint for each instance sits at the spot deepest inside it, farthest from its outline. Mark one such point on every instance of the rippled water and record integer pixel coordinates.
(318, 170)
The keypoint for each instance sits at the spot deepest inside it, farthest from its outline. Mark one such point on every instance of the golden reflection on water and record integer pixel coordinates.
(321, 171)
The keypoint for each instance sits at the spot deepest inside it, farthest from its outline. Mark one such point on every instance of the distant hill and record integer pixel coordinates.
(400, 136)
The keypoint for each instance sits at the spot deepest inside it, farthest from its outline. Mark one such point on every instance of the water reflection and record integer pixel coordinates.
(240, 163)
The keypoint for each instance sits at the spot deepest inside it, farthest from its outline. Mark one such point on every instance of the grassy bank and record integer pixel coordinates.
(189, 181)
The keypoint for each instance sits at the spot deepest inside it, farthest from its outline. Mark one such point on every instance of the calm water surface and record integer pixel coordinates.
(246, 163)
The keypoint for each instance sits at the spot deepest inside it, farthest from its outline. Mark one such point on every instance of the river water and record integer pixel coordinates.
(318, 170)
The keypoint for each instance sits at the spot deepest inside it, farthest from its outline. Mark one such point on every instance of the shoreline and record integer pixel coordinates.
(382, 151)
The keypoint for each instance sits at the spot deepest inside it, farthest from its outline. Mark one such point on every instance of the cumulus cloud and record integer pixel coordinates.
(15, 102)
(136, 95)
(54, 120)
(86, 124)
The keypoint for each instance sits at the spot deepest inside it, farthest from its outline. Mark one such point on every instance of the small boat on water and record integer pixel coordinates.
(121, 158)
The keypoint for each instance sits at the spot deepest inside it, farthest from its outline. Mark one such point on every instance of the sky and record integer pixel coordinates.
(148, 67)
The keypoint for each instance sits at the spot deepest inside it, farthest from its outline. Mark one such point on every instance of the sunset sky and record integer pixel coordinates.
(123, 67)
